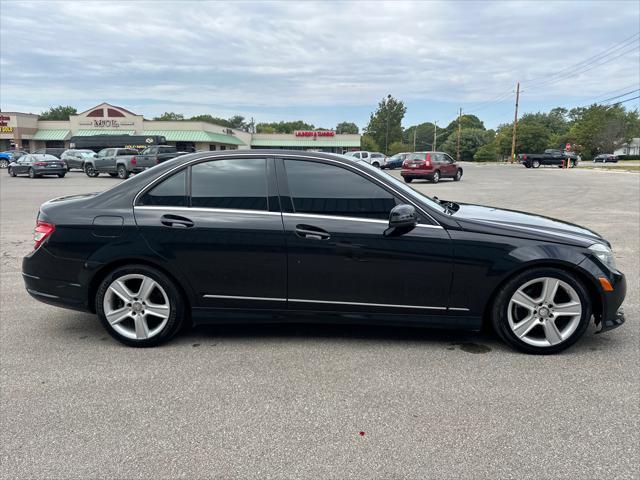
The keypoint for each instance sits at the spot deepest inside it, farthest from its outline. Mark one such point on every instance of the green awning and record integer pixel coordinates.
(86, 133)
(195, 136)
(262, 142)
(50, 134)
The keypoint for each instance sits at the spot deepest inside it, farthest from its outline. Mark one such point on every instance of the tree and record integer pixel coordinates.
(58, 113)
(531, 138)
(385, 124)
(237, 122)
(471, 139)
(424, 133)
(211, 119)
(397, 147)
(368, 143)
(347, 127)
(283, 127)
(170, 116)
(487, 153)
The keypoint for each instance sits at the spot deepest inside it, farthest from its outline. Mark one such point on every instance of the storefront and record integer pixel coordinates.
(24, 131)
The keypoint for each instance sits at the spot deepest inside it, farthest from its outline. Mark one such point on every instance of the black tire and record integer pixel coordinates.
(176, 302)
(458, 176)
(4, 163)
(11, 172)
(500, 305)
(535, 164)
(375, 164)
(113, 175)
(408, 180)
(435, 178)
(526, 165)
(90, 171)
(122, 172)
(32, 173)
(68, 168)
(61, 175)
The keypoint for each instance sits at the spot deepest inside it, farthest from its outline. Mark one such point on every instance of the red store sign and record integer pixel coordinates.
(313, 133)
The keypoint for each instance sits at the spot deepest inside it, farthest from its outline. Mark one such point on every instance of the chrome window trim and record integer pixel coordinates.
(301, 300)
(276, 155)
(350, 219)
(204, 209)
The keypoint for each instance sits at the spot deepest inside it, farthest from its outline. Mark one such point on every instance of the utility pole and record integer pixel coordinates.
(458, 147)
(415, 130)
(435, 135)
(515, 125)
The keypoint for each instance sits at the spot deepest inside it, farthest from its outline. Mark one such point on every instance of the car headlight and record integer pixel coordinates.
(604, 253)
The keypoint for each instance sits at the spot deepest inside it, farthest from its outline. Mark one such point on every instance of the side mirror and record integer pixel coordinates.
(402, 219)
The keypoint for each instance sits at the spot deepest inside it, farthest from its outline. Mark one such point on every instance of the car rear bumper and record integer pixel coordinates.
(416, 173)
(50, 171)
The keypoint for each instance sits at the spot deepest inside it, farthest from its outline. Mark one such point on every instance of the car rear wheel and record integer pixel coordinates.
(375, 164)
(408, 180)
(535, 164)
(436, 177)
(90, 171)
(458, 175)
(139, 306)
(122, 172)
(542, 311)
(4, 163)
(61, 175)
(32, 173)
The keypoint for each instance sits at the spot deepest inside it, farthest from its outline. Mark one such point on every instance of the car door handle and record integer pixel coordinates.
(176, 221)
(311, 232)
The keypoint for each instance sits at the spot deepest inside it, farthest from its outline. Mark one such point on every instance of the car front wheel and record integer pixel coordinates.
(122, 172)
(4, 163)
(408, 180)
(91, 171)
(458, 175)
(542, 311)
(535, 164)
(139, 306)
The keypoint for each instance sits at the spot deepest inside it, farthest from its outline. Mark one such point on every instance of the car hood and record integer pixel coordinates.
(525, 224)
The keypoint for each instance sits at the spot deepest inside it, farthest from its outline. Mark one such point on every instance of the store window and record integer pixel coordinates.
(212, 148)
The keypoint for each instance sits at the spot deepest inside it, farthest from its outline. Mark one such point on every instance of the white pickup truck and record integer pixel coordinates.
(376, 159)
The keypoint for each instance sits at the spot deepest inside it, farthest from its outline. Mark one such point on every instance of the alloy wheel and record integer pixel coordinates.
(544, 312)
(436, 177)
(4, 163)
(136, 306)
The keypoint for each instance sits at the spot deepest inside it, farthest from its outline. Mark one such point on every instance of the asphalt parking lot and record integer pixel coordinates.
(302, 401)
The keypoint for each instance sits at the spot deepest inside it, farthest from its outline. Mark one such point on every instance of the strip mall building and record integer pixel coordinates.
(24, 131)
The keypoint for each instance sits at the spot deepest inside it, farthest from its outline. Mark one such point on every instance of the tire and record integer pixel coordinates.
(61, 175)
(436, 177)
(11, 172)
(536, 328)
(375, 164)
(91, 171)
(68, 168)
(4, 163)
(572, 164)
(535, 164)
(408, 180)
(458, 176)
(526, 165)
(122, 172)
(128, 324)
(32, 173)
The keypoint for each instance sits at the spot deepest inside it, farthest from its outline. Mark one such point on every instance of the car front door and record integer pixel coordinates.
(219, 223)
(339, 258)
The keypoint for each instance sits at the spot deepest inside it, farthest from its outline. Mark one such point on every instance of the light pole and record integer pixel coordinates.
(435, 135)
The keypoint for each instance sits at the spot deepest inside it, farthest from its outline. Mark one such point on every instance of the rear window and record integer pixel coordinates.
(417, 156)
(171, 192)
(127, 151)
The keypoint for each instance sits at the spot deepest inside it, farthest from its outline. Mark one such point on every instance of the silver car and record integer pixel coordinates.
(76, 158)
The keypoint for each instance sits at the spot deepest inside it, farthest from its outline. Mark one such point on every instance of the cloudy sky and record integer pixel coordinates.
(323, 62)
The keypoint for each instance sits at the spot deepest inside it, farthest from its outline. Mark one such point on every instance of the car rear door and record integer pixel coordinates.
(219, 223)
(338, 256)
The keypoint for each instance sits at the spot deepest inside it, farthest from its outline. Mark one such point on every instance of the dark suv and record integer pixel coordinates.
(431, 166)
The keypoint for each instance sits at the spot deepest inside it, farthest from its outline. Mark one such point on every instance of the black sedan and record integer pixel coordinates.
(299, 236)
(36, 165)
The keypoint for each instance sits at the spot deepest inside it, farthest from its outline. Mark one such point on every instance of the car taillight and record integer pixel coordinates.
(42, 231)
(427, 160)
(133, 160)
(40, 164)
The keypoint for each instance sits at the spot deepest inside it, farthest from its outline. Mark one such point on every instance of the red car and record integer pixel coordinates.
(431, 166)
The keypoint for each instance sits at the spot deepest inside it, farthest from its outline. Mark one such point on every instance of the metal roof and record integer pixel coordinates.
(87, 133)
(195, 136)
(262, 142)
(49, 134)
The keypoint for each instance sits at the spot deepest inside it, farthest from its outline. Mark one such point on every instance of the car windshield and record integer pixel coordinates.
(414, 194)
(87, 153)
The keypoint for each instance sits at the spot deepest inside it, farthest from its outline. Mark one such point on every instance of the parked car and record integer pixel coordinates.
(549, 157)
(117, 162)
(605, 158)
(276, 235)
(158, 154)
(56, 152)
(375, 159)
(395, 161)
(9, 156)
(76, 158)
(36, 165)
(431, 166)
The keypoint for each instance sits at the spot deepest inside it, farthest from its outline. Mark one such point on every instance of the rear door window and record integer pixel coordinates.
(171, 192)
